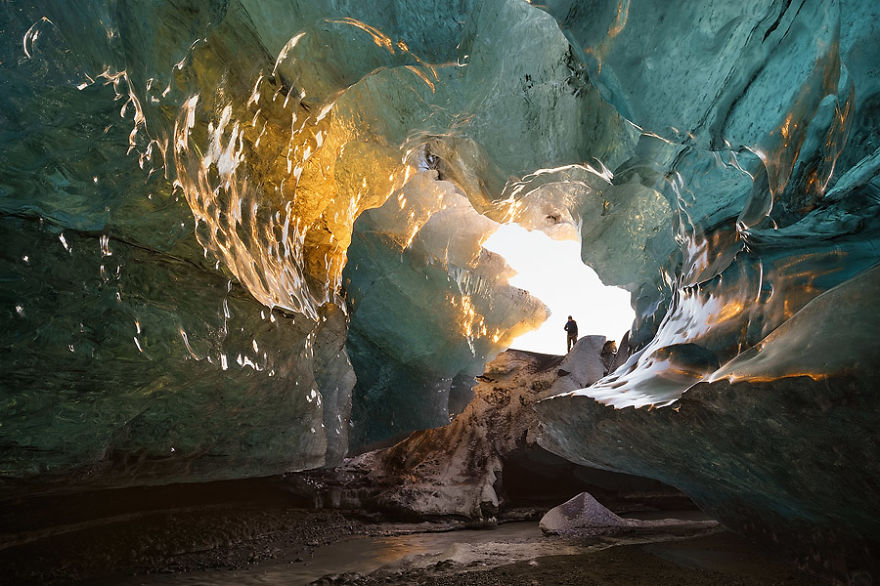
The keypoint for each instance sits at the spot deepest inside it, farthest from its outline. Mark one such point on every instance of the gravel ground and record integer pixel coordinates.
(721, 559)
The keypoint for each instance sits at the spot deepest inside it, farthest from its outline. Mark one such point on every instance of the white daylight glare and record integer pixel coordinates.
(552, 271)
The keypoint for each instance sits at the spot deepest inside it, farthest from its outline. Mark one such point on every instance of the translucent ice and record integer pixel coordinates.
(209, 208)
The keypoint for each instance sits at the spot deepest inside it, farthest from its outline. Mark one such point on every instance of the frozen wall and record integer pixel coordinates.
(212, 210)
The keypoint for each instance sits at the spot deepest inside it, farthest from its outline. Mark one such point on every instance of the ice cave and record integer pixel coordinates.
(243, 240)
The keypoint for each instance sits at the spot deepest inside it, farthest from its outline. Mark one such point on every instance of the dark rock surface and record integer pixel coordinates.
(107, 535)
(716, 560)
(486, 463)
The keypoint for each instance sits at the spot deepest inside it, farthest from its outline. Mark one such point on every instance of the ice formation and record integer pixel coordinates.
(212, 210)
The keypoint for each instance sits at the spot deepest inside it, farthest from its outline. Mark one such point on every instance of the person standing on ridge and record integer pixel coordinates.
(571, 327)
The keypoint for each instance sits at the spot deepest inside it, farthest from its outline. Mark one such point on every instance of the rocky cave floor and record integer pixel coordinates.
(716, 560)
(255, 531)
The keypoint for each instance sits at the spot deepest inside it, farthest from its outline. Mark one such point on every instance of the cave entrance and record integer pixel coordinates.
(552, 271)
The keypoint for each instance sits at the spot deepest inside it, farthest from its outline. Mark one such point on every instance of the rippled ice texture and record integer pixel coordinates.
(179, 189)
(293, 183)
(753, 387)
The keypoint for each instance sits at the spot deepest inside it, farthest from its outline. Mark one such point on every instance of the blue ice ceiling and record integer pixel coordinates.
(242, 238)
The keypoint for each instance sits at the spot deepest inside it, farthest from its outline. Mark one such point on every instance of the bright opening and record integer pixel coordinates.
(552, 271)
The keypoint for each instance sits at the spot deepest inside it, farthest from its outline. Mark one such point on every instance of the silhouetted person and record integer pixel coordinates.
(571, 327)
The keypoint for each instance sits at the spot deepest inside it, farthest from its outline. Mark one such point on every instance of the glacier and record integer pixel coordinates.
(243, 237)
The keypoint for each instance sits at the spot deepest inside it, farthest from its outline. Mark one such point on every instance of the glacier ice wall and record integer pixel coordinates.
(214, 210)
(179, 194)
(754, 385)
(130, 354)
(437, 278)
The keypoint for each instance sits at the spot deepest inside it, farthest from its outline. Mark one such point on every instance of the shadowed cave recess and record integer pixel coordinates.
(243, 238)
